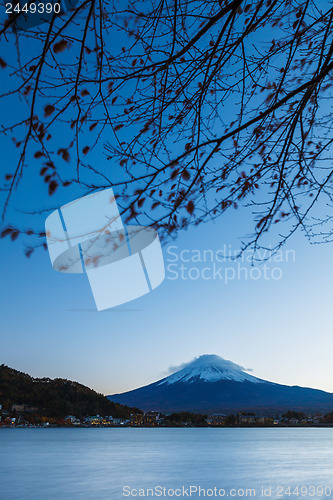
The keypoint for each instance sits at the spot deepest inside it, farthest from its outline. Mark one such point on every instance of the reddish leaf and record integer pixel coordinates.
(14, 235)
(185, 175)
(91, 128)
(85, 150)
(174, 174)
(27, 90)
(6, 232)
(39, 154)
(114, 99)
(52, 187)
(84, 92)
(190, 207)
(28, 252)
(64, 154)
(48, 110)
(60, 46)
(3, 64)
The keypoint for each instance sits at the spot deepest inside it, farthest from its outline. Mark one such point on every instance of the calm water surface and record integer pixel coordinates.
(94, 464)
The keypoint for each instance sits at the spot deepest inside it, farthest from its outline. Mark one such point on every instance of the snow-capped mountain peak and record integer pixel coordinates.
(210, 368)
(210, 384)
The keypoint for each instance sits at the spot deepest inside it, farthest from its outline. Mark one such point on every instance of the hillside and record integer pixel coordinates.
(55, 398)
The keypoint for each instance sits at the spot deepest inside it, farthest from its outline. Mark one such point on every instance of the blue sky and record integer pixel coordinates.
(280, 328)
(50, 327)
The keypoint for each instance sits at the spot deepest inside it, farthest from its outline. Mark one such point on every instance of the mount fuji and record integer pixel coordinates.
(211, 384)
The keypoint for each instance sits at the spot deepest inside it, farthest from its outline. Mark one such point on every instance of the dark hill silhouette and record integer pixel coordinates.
(55, 398)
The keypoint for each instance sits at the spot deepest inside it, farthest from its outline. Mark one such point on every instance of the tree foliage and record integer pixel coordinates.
(185, 418)
(55, 398)
(201, 107)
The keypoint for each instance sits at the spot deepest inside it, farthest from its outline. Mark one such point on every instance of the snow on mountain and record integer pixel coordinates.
(210, 368)
(211, 384)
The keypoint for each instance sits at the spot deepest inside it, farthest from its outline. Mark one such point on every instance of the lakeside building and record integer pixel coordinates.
(21, 415)
(216, 420)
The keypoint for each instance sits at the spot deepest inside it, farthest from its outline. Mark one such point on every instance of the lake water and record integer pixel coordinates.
(117, 463)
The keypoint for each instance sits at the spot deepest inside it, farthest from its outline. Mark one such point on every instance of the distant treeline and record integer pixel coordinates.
(55, 398)
(179, 419)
